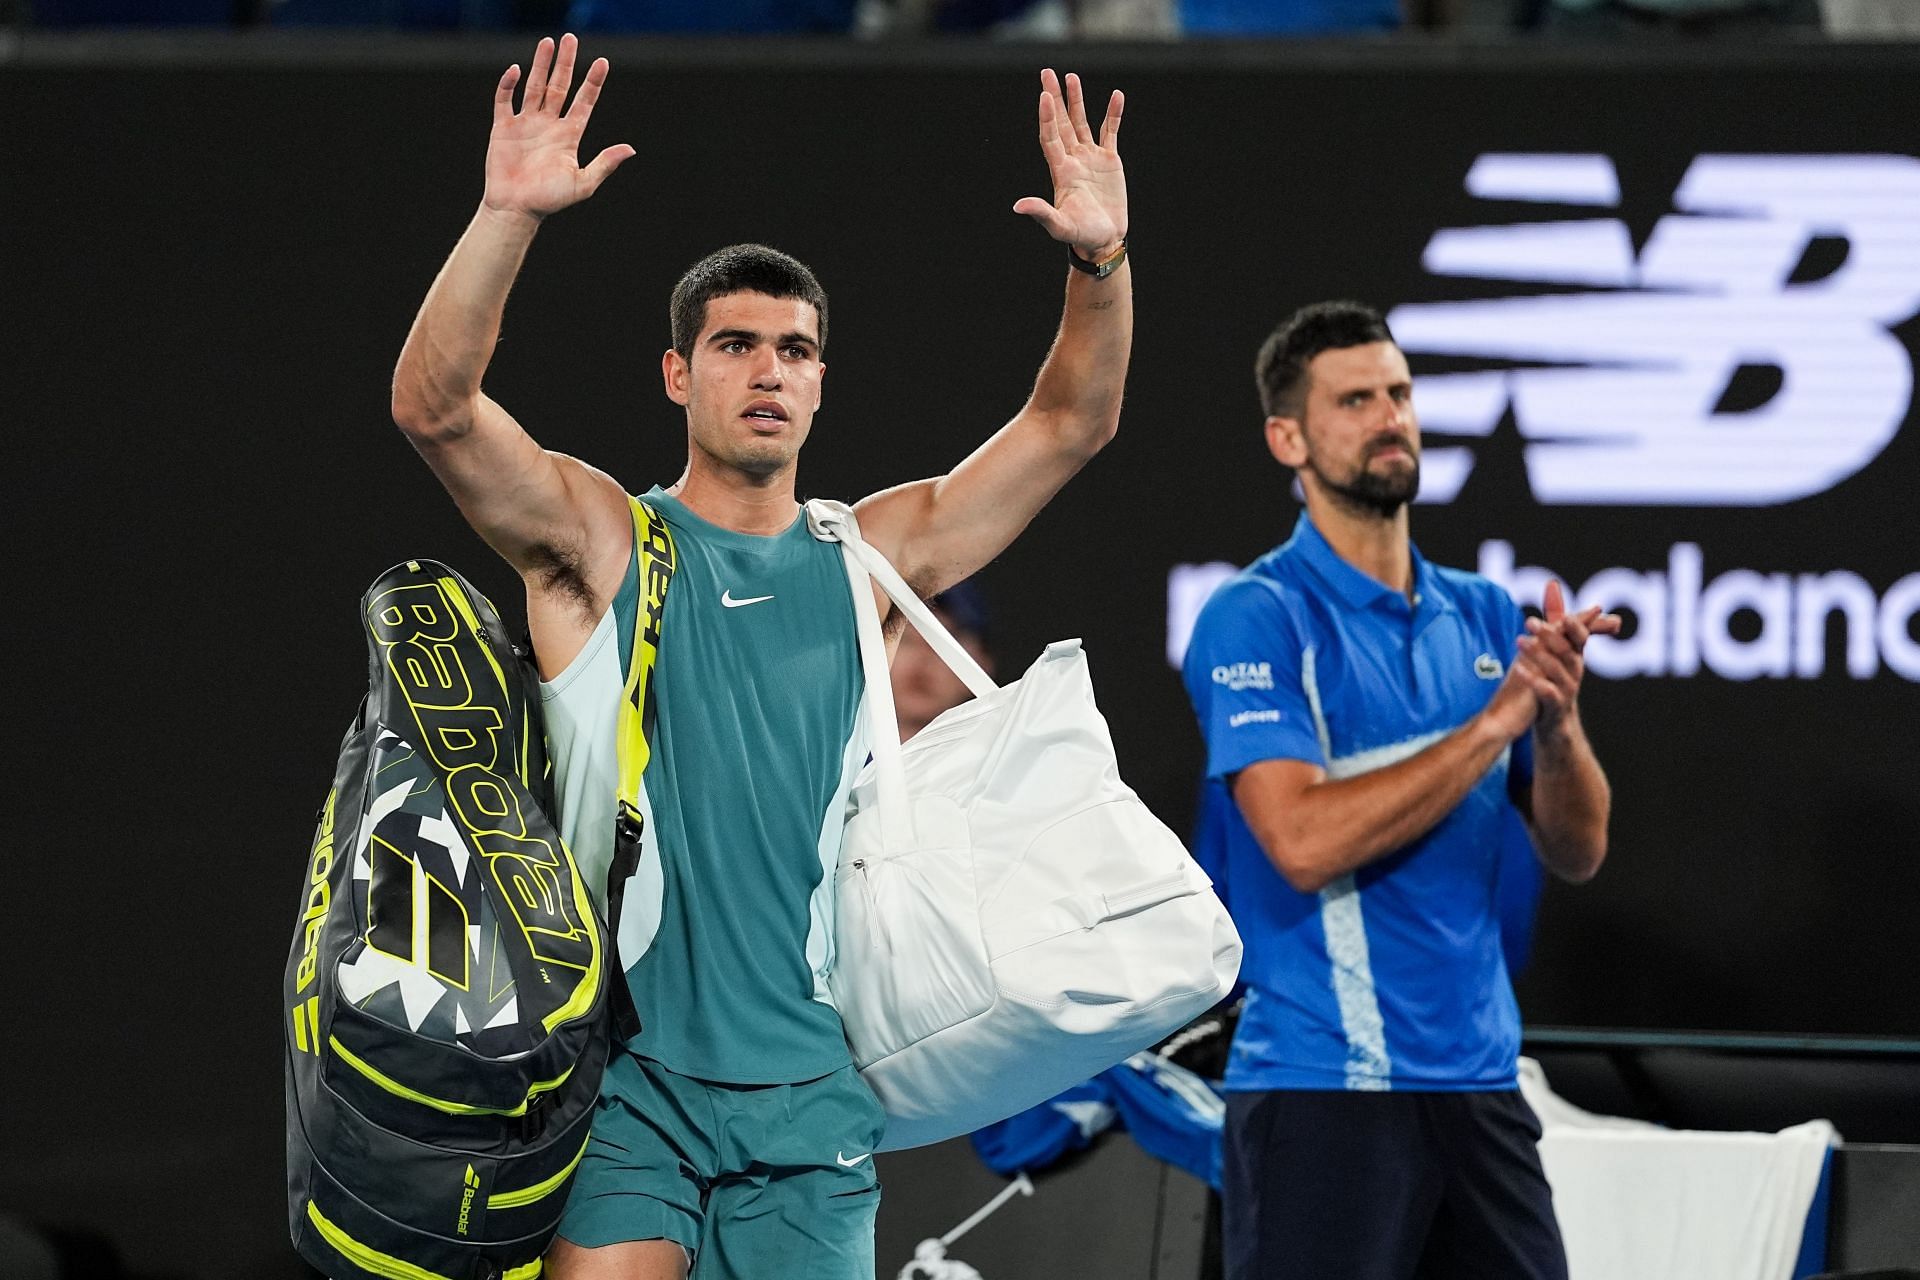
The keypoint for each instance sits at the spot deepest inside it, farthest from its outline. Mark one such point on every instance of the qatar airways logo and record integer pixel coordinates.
(1244, 675)
(1702, 370)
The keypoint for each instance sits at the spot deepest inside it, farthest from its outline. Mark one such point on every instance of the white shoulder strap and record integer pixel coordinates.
(834, 522)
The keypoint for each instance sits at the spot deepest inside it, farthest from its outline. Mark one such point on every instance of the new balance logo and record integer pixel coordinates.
(1704, 370)
(727, 600)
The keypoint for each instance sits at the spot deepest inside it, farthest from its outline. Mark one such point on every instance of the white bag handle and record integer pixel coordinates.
(834, 522)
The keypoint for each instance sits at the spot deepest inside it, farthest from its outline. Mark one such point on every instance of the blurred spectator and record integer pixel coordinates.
(1125, 19)
(923, 686)
(401, 15)
(714, 17)
(953, 16)
(1872, 19)
(139, 13)
(1288, 17)
(1018, 19)
(26, 1253)
(1611, 18)
(35, 1251)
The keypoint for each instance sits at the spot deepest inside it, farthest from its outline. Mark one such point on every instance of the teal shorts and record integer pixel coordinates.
(753, 1180)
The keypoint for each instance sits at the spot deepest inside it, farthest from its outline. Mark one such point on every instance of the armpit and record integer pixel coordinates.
(558, 570)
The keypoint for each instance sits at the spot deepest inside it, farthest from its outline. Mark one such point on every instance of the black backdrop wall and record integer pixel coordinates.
(211, 259)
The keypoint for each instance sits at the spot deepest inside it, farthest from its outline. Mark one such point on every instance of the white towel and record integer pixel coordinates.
(1637, 1201)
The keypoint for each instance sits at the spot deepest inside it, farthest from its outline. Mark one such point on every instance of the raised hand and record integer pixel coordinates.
(533, 155)
(1089, 207)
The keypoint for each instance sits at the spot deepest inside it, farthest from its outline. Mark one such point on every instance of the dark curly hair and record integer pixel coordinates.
(740, 268)
(1280, 370)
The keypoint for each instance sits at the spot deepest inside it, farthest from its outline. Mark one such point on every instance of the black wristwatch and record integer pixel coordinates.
(1102, 269)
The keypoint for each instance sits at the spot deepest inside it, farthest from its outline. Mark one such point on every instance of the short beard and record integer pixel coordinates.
(1368, 494)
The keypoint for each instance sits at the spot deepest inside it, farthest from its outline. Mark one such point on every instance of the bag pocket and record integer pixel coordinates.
(1106, 862)
(909, 960)
(1121, 920)
(441, 1093)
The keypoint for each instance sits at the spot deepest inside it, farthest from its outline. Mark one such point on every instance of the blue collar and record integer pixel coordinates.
(1358, 591)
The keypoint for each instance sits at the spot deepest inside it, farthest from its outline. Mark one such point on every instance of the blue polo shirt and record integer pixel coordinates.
(1391, 977)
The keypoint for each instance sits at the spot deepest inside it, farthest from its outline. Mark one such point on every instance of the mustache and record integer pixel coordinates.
(1385, 443)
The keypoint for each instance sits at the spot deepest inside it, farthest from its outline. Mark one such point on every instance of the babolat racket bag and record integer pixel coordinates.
(446, 991)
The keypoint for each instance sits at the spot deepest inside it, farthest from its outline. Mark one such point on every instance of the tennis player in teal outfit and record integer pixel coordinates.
(734, 1139)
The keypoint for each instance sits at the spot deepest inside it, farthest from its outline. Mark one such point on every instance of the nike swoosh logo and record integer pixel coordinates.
(727, 600)
(845, 1163)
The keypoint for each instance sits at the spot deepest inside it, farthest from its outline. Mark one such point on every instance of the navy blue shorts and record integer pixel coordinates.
(1340, 1185)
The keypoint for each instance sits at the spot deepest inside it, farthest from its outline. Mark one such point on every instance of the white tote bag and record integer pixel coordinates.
(1011, 920)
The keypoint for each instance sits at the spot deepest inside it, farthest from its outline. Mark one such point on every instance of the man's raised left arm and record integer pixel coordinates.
(940, 530)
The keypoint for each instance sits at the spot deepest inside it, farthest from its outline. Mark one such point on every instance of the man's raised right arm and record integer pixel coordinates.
(526, 502)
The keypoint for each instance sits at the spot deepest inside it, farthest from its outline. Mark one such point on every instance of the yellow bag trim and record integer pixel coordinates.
(583, 991)
(399, 1090)
(368, 1258)
(539, 1190)
(526, 745)
(653, 546)
(465, 609)
(365, 1256)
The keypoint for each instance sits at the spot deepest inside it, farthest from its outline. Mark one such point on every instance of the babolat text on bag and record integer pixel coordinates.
(446, 989)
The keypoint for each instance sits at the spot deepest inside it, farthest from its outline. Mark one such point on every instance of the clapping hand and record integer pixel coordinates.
(1551, 654)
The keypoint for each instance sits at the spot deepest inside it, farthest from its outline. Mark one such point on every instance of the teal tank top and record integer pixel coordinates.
(727, 926)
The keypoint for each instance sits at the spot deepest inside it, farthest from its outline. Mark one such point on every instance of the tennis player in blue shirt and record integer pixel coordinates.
(1374, 717)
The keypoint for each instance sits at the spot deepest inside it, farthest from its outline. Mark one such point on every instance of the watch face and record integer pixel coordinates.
(1098, 270)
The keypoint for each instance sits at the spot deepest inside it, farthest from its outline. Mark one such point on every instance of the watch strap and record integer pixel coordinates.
(1104, 267)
